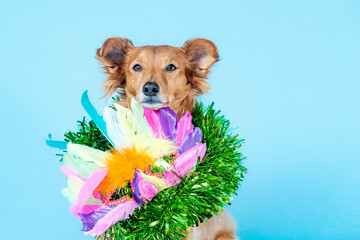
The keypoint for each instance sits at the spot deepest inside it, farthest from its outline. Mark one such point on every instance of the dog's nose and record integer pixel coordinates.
(151, 89)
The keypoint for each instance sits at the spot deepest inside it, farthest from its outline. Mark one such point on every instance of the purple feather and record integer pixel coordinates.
(119, 213)
(168, 120)
(135, 184)
(89, 220)
(191, 139)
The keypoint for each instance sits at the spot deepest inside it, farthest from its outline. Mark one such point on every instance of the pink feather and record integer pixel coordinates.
(86, 209)
(184, 164)
(69, 171)
(184, 126)
(143, 187)
(153, 119)
(87, 189)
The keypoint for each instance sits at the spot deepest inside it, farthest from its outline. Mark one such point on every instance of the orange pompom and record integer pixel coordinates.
(121, 167)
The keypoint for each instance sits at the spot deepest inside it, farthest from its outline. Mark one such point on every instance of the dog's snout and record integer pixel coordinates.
(151, 89)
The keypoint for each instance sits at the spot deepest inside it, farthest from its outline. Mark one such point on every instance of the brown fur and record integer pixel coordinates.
(178, 90)
(220, 227)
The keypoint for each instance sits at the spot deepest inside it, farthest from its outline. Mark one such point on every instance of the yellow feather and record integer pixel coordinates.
(140, 134)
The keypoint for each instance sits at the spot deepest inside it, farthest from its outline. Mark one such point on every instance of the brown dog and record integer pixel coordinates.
(164, 76)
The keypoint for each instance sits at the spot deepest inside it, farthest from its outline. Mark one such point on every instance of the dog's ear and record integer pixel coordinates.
(202, 54)
(112, 55)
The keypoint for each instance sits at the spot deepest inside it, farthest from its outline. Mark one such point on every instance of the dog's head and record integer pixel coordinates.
(158, 76)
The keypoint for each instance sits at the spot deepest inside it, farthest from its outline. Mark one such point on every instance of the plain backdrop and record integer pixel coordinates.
(288, 79)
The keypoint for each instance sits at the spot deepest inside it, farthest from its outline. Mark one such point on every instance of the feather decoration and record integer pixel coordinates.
(74, 186)
(89, 186)
(159, 183)
(140, 134)
(115, 132)
(121, 168)
(184, 126)
(155, 147)
(89, 154)
(141, 137)
(83, 167)
(143, 188)
(83, 159)
(192, 138)
(184, 164)
(142, 126)
(153, 119)
(89, 220)
(87, 209)
(168, 120)
(126, 121)
(69, 171)
(120, 212)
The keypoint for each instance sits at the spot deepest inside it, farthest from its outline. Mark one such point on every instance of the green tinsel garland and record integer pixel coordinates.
(205, 192)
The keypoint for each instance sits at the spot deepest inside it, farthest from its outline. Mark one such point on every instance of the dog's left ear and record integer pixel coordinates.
(202, 54)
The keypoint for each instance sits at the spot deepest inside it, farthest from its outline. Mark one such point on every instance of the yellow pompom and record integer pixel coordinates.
(121, 167)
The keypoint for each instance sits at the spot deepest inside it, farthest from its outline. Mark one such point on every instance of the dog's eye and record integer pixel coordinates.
(137, 68)
(171, 68)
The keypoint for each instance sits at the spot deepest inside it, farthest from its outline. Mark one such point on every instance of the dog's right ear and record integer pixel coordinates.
(112, 56)
(112, 53)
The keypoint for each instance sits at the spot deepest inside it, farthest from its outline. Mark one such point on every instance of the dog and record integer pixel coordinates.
(164, 76)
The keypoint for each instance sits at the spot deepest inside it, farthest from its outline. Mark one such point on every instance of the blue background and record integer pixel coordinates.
(288, 79)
